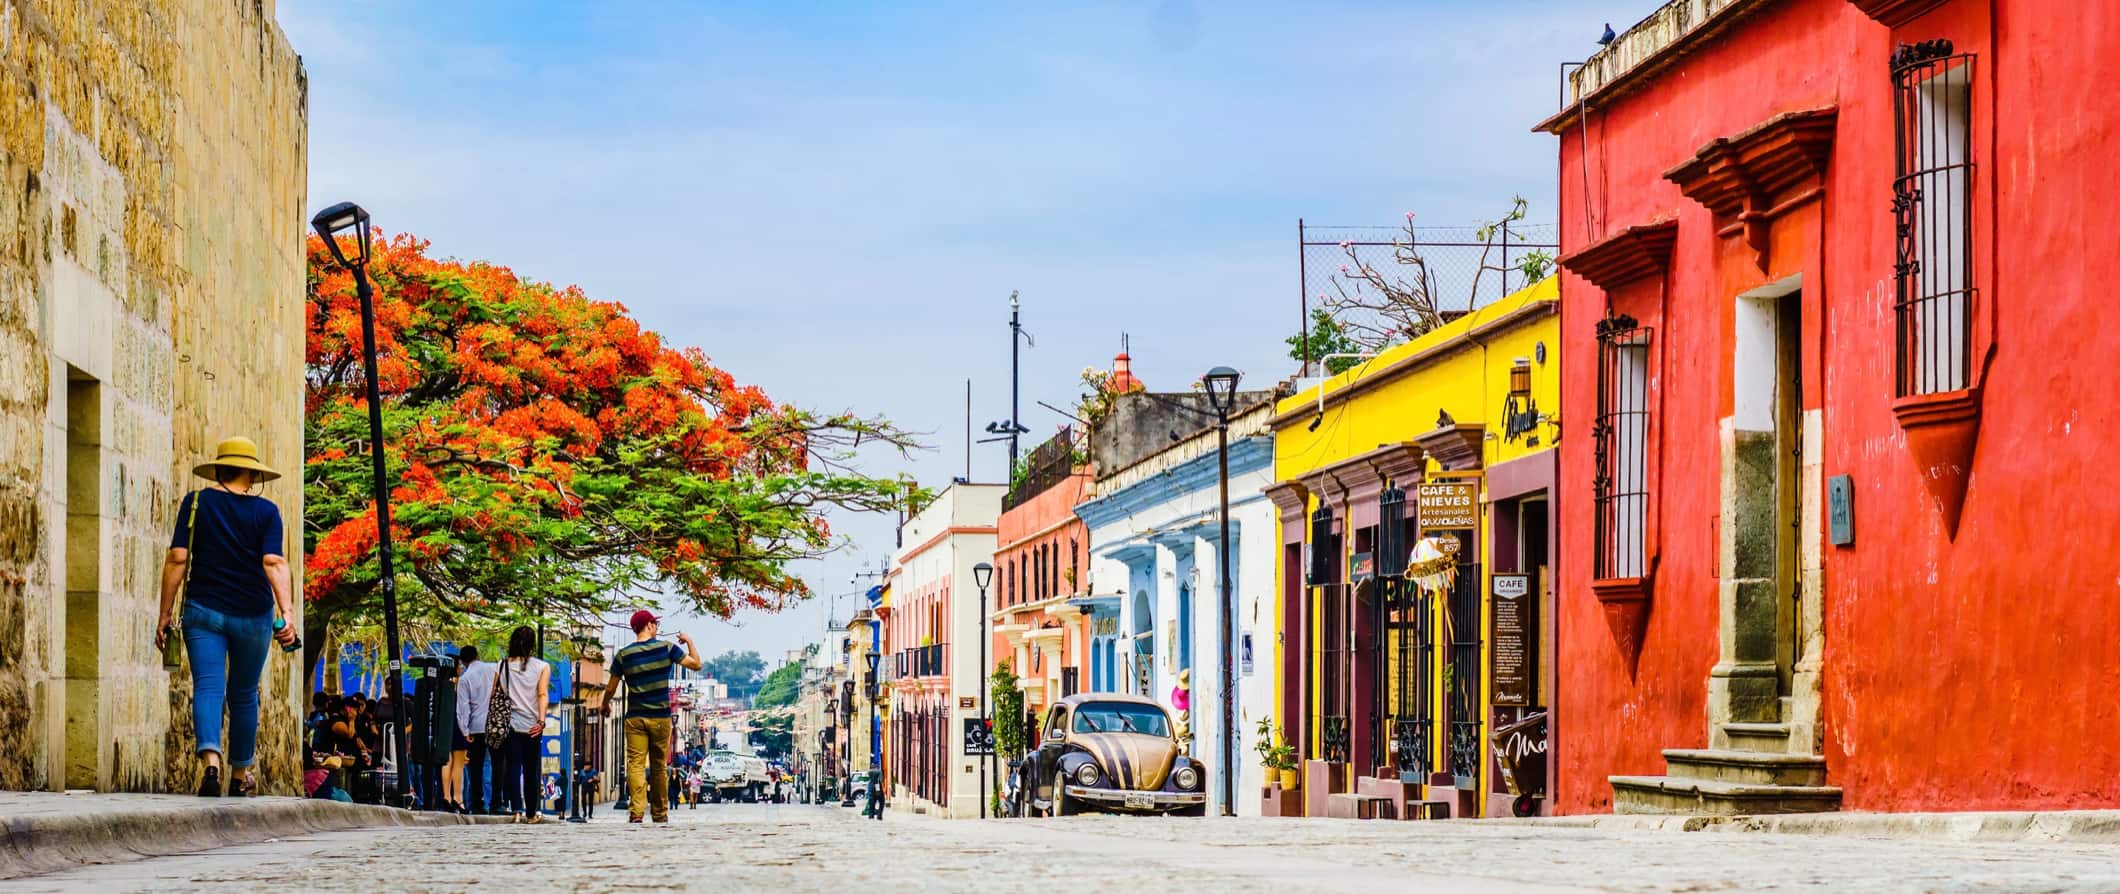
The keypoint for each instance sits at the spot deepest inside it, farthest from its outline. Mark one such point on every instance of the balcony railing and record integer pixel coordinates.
(920, 661)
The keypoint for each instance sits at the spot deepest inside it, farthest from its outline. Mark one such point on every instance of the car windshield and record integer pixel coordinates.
(1121, 717)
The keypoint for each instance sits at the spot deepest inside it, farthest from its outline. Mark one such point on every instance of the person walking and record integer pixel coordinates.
(228, 557)
(474, 693)
(645, 666)
(529, 682)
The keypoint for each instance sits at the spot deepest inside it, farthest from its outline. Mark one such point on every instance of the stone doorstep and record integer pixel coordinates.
(1677, 794)
(59, 832)
(1764, 737)
(1753, 767)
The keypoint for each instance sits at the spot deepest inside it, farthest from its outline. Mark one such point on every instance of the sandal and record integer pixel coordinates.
(210, 783)
(245, 787)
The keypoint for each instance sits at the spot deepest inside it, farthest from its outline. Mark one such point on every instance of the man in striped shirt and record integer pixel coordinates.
(645, 666)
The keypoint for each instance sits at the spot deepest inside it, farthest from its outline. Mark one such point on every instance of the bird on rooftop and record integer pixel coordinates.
(1608, 37)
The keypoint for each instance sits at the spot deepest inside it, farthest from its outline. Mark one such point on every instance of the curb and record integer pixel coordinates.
(2052, 827)
(42, 844)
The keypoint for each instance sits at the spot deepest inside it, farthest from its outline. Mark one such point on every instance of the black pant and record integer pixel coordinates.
(475, 775)
(526, 795)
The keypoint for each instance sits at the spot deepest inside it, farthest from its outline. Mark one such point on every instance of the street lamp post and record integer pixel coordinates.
(329, 223)
(875, 805)
(982, 575)
(1221, 385)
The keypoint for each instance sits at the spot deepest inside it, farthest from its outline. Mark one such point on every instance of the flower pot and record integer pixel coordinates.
(1291, 780)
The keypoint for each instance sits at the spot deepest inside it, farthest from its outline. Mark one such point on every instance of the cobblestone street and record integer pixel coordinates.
(802, 849)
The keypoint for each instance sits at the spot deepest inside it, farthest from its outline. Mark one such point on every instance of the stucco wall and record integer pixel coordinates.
(1964, 672)
(154, 162)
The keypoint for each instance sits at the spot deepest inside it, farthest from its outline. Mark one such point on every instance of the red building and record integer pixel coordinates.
(1835, 526)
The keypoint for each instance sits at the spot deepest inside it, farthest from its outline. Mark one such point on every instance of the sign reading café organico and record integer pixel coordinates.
(1449, 505)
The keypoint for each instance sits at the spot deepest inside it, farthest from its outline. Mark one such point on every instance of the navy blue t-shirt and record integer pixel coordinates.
(236, 533)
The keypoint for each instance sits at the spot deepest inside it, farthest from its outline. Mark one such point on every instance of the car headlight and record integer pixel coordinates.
(1187, 778)
(1086, 774)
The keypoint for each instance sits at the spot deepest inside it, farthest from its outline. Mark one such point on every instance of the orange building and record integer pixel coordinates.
(1040, 573)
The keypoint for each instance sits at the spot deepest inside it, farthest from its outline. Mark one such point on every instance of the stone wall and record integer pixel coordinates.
(152, 190)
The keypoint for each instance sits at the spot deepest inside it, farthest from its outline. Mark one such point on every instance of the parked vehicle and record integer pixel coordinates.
(735, 777)
(1110, 752)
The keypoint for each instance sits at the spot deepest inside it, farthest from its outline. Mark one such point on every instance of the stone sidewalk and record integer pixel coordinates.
(47, 831)
(796, 849)
(2053, 826)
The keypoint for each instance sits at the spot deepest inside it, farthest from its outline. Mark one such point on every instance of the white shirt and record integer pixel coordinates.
(523, 676)
(474, 693)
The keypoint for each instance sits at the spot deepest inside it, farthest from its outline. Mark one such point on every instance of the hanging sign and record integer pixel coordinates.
(1448, 505)
(1515, 663)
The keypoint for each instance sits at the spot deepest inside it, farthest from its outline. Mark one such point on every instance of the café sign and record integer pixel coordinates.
(1448, 505)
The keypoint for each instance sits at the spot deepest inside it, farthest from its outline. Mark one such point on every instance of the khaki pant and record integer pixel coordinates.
(647, 750)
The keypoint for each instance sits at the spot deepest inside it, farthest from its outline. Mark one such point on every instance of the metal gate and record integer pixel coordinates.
(1409, 641)
(1462, 676)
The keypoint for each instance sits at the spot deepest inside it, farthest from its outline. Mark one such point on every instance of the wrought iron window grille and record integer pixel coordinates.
(1620, 435)
(1932, 214)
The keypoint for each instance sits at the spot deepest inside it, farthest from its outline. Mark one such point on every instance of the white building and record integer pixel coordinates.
(1154, 541)
(932, 634)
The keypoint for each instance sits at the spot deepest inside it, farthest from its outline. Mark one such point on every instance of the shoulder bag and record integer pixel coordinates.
(173, 637)
(499, 710)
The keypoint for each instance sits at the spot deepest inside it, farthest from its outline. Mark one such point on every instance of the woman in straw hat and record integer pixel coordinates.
(227, 557)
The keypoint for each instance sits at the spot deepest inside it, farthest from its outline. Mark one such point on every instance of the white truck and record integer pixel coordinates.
(735, 777)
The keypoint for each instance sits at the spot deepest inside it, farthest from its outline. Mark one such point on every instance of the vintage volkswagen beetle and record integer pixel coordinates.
(1113, 752)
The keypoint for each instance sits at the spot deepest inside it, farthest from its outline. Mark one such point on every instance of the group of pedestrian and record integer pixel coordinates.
(345, 747)
(227, 562)
(521, 685)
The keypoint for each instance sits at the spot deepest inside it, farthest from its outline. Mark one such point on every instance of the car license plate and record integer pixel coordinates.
(1140, 801)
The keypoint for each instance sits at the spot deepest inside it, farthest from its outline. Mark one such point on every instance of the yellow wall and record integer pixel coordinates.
(1457, 368)
(1461, 368)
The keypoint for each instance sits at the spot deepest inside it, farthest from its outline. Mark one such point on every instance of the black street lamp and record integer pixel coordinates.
(1221, 384)
(329, 223)
(582, 644)
(982, 575)
(875, 805)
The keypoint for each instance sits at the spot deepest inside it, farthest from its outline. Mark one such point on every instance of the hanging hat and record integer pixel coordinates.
(236, 453)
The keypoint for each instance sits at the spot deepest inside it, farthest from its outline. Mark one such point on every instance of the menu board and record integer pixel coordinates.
(1515, 639)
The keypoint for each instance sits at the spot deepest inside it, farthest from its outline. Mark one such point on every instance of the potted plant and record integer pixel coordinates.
(1276, 755)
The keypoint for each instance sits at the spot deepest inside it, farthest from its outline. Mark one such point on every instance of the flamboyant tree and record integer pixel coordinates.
(550, 458)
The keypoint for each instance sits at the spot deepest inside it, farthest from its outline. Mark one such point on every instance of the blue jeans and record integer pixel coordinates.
(227, 658)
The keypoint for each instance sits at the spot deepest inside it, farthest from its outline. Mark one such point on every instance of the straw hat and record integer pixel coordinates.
(236, 453)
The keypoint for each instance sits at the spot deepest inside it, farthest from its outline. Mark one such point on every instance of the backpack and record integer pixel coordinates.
(499, 710)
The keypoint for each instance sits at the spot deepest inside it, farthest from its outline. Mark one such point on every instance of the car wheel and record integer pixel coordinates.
(1061, 805)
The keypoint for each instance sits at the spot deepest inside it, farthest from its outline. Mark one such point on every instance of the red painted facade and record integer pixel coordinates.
(1958, 670)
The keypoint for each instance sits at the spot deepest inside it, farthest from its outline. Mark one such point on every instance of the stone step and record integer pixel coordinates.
(1748, 767)
(1709, 797)
(1353, 806)
(1772, 738)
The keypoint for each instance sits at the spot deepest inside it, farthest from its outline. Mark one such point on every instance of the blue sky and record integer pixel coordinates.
(834, 200)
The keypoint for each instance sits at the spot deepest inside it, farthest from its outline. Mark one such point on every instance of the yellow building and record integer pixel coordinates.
(1390, 689)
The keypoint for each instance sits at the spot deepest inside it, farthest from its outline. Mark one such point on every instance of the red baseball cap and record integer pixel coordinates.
(643, 618)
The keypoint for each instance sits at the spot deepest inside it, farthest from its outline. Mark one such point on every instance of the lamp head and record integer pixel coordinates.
(337, 219)
(982, 574)
(1221, 383)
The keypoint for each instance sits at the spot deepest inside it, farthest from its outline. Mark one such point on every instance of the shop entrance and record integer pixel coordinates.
(1521, 664)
